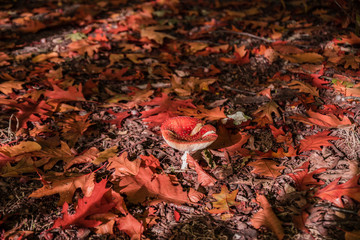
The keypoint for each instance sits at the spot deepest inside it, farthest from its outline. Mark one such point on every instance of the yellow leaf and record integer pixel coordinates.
(23, 147)
(304, 58)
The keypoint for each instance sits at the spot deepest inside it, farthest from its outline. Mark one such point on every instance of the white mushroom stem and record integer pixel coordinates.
(183, 158)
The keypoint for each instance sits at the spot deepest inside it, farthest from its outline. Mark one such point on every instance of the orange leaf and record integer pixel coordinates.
(304, 58)
(202, 113)
(88, 156)
(203, 178)
(167, 108)
(87, 206)
(147, 184)
(327, 121)
(66, 187)
(304, 87)
(225, 200)
(123, 166)
(334, 191)
(263, 114)
(131, 226)
(266, 217)
(241, 56)
(84, 46)
(314, 142)
(59, 95)
(266, 168)
(150, 33)
(352, 39)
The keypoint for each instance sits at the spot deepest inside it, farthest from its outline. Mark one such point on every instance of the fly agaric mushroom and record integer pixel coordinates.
(187, 134)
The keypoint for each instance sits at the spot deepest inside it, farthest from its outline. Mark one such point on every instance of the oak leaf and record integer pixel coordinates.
(147, 184)
(263, 115)
(225, 200)
(123, 166)
(8, 86)
(266, 217)
(334, 191)
(314, 142)
(327, 121)
(204, 179)
(87, 206)
(304, 58)
(305, 180)
(118, 117)
(84, 46)
(152, 34)
(241, 56)
(59, 95)
(87, 156)
(73, 127)
(304, 87)
(22, 148)
(266, 168)
(351, 39)
(131, 226)
(202, 113)
(167, 108)
(66, 187)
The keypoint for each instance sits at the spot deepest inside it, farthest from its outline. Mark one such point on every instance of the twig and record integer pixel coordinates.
(247, 35)
(240, 91)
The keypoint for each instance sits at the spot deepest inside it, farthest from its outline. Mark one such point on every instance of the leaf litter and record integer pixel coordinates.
(84, 89)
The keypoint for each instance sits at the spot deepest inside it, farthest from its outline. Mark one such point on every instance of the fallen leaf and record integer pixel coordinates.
(305, 180)
(22, 148)
(152, 34)
(87, 206)
(266, 217)
(66, 187)
(327, 121)
(204, 179)
(266, 168)
(131, 226)
(314, 142)
(263, 114)
(304, 58)
(147, 184)
(119, 117)
(304, 87)
(59, 95)
(224, 201)
(334, 191)
(123, 166)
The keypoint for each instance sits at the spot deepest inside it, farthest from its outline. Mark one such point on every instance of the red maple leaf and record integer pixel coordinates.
(305, 180)
(334, 191)
(167, 108)
(87, 206)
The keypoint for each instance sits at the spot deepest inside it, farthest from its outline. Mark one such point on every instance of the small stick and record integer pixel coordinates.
(247, 35)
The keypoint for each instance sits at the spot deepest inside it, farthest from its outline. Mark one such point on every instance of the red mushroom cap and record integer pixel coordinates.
(187, 133)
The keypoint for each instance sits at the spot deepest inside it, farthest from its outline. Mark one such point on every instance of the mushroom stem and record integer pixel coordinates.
(183, 158)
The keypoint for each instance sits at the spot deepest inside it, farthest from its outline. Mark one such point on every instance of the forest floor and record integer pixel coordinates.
(85, 88)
